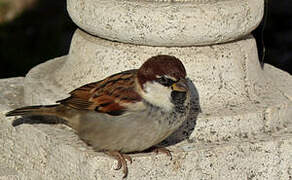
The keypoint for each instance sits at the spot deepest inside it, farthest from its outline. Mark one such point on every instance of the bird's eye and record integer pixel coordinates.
(165, 81)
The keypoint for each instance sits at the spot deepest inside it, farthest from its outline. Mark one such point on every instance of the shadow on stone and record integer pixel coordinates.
(37, 120)
(188, 126)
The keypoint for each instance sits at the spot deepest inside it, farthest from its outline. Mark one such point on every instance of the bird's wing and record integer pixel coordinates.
(110, 95)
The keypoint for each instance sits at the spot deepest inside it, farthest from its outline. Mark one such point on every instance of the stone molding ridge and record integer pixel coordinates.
(167, 23)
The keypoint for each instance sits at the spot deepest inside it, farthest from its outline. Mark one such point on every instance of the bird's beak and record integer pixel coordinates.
(181, 86)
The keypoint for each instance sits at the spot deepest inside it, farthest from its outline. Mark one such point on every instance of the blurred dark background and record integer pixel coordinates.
(43, 30)
(274, 35)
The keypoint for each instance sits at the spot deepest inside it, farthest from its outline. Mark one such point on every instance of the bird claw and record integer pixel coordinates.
(127, 157)
(122, 163)
(123, 158)
(162, 150)
(119, 166)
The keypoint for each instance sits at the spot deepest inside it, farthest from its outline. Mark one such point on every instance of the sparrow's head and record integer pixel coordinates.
(162, 82)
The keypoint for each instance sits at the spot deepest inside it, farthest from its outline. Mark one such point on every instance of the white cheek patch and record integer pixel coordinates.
(158, 95)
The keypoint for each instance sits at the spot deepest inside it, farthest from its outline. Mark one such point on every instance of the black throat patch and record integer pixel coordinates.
(178, 99)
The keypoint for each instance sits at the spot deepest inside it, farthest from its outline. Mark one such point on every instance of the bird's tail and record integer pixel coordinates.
(34, 110)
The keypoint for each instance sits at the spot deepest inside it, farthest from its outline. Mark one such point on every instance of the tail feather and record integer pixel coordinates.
(33, 110)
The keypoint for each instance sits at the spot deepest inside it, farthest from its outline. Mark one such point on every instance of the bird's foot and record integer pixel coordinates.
(162, 150)
(122, 163)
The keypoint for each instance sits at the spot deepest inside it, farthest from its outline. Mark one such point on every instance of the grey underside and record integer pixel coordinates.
(129, 132)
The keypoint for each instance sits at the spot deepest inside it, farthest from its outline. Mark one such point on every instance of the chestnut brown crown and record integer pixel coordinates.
(161, 65)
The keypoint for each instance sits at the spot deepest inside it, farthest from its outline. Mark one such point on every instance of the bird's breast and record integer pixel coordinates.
(132, 131)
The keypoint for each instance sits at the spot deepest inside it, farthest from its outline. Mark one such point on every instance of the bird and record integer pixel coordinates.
(126, 112)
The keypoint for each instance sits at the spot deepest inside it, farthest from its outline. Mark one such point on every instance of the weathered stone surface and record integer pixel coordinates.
(168, 23)
(55, 152)
(234, 94)
(226, 74)
(11, 93)
(242, 131)
(284, 86)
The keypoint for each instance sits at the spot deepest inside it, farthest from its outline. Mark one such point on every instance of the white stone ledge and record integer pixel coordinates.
(167, 23)
(55, 152)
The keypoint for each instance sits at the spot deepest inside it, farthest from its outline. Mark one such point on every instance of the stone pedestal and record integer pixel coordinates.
(244, 126)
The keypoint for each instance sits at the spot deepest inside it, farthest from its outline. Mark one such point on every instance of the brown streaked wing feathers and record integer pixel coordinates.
(105, 96)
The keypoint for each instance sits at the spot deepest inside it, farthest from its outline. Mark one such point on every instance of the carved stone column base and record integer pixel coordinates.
(55, 152)
(235, 96)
